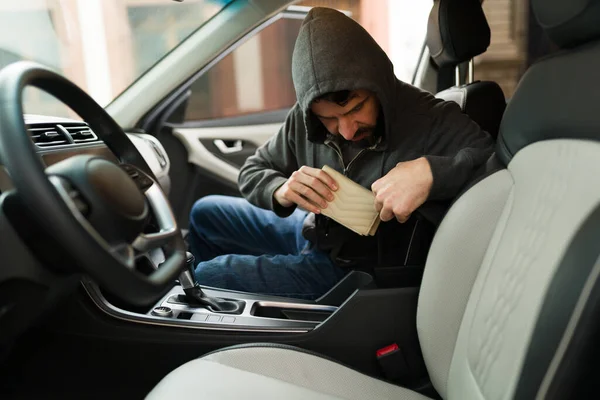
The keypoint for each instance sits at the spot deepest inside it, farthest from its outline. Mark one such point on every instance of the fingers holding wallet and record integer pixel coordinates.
(403, 189)
(309, 188)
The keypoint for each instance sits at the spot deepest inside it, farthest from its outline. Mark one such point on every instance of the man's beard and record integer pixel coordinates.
(368, 141)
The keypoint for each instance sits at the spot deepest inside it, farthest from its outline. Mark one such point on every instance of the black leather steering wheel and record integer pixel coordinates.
(96, 210)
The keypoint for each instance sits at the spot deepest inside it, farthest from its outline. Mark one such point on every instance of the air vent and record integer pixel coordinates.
(47, 135)
(80, 133)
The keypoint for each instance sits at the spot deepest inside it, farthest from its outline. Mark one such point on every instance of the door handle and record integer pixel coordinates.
(232, 146)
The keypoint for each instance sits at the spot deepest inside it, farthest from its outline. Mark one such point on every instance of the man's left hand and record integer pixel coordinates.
(402, 190)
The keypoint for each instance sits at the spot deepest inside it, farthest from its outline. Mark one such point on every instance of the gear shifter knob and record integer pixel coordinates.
(190, 262)
(187, 279)
(195, 295)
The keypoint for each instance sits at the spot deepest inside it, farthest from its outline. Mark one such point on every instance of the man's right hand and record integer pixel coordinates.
(309, 188)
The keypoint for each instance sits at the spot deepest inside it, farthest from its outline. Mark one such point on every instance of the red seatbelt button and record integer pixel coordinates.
(387, 350)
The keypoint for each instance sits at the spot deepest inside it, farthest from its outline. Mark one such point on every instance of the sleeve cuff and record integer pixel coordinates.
(441, 170)
(277, 208)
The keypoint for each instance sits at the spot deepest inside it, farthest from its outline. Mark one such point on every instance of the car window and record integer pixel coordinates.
(256, 77)
(101, 45)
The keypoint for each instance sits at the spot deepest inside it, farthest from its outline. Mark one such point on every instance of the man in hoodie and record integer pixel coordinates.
(415, 152)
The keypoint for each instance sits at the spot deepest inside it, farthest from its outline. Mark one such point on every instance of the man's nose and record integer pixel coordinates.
(347, 129)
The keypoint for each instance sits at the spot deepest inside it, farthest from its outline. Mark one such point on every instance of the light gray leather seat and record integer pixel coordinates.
(511, 280)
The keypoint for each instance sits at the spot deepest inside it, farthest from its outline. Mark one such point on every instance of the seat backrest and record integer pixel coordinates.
(512, 263)
(457, 31)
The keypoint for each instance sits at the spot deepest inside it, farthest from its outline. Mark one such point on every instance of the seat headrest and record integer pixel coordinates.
(569, 22)
(555, 99)
(457, 31)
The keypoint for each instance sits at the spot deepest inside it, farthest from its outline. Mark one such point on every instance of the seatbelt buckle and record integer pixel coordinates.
(393, 364)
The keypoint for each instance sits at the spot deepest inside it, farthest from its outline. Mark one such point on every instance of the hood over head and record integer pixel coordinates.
(333, 53)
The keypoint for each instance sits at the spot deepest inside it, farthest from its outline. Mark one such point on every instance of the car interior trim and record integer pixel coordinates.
(261, 324)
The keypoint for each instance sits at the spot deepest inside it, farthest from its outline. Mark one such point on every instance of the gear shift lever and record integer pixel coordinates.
(195, 295)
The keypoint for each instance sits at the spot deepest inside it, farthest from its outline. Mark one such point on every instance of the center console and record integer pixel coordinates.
(188, 305)
(222, 309)
(267, 314)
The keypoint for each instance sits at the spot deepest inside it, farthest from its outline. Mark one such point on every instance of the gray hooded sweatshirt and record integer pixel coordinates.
(334, 53)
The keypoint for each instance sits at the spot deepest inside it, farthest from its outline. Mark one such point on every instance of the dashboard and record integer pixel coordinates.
(49, 158)
(57, 139)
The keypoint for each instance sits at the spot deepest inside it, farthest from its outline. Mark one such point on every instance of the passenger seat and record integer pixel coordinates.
(457, 31)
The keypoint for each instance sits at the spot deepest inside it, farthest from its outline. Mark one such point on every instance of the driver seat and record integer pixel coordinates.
(510, 295)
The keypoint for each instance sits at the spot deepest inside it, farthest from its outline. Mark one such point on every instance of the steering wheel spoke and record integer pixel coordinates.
(76, 204)
(70, 196)
(167, 225)
(124, 253)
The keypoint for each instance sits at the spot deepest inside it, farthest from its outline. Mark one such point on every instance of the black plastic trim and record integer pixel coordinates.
(577, 375)
(342, 290)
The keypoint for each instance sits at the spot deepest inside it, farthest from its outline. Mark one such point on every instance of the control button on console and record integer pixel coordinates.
(162, 311)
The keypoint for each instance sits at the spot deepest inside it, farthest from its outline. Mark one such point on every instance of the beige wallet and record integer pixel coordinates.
(353, 206)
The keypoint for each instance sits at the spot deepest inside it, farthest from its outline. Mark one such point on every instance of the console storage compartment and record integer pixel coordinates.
(292, 311)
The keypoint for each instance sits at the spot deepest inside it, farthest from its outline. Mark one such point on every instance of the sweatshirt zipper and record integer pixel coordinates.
(355, 158)
(337, 150)
(339, 153)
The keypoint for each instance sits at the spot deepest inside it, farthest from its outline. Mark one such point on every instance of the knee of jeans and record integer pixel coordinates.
(203, 211)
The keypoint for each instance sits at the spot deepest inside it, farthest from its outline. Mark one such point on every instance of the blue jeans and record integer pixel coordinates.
(243, 247)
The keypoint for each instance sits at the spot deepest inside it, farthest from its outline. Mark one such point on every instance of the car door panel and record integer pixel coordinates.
(235, 152)
(221, 151)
